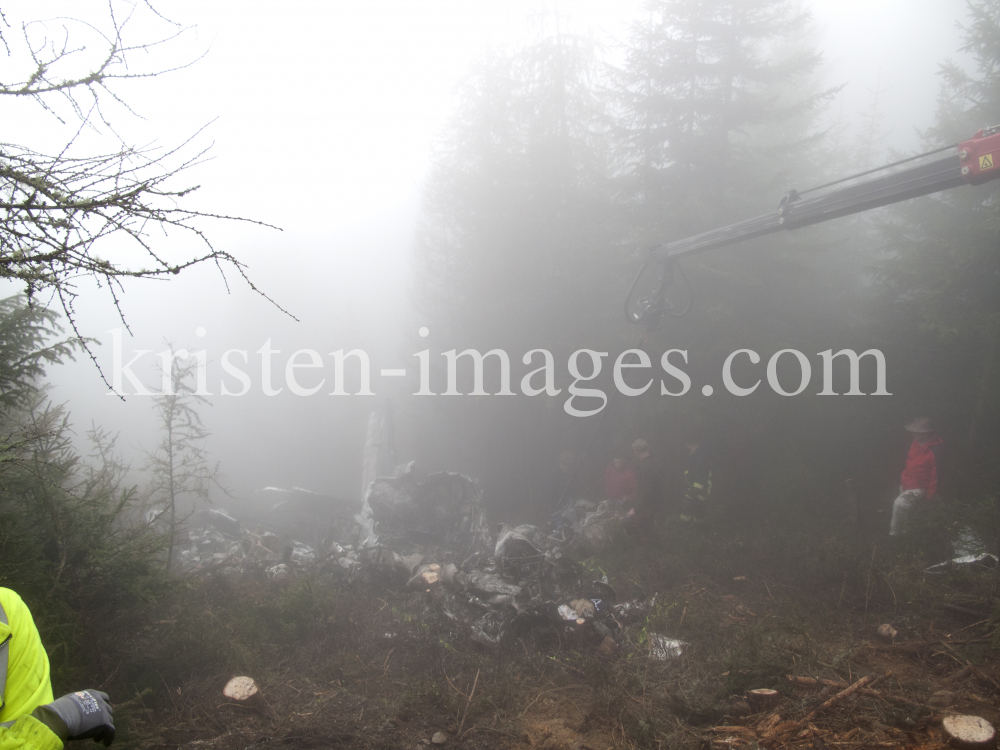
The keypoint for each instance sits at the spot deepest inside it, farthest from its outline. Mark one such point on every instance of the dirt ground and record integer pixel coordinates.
(384, 671)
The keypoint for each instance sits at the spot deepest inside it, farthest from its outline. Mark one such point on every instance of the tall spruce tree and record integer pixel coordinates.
(518, 244)
(516, 210)
(714, 101)
(939, 284)
(179, 467)
(717, 116)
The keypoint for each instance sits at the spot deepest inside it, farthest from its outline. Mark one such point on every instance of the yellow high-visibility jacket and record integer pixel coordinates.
(28, 683)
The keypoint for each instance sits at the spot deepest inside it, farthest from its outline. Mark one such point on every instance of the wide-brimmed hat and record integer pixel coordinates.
(921, 424)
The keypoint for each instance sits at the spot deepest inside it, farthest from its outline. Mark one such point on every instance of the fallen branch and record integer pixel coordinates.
(916, 649)
(967, 663)
(965, 611)
(467, 703)
(733, 730)
(768, 724)
(846, 692)
(981, 622)
(546, 692)
(817, 682)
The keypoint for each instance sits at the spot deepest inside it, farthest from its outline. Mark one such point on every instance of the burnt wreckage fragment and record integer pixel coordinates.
(429, 536)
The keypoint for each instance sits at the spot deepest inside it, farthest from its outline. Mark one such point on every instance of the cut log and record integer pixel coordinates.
(965, 731)
(763, 700)
(768, 724)
(244, 691)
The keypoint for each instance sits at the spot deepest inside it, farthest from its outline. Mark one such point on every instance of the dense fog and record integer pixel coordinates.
(581, 375)
(384, 141)
(495, 173)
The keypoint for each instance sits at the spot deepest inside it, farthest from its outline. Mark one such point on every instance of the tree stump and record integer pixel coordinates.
(244, 691)
(965, 731)
(887, 632)
(763, 700)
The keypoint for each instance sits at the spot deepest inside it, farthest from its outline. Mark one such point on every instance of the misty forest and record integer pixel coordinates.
(665, 415)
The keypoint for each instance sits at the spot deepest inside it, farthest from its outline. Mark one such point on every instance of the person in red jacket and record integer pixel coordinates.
(920, 477)
(619, 481)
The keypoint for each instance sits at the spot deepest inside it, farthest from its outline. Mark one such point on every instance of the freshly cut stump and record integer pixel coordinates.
(965, 731)
(887, 632)
(244, 690)
(763, 699)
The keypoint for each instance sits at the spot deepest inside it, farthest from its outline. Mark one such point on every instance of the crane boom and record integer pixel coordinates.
(974, 161)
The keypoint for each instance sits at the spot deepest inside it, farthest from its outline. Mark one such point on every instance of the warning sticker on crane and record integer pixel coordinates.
(986, 162)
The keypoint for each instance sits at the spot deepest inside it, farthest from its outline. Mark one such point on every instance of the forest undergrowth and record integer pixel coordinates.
(756, 605)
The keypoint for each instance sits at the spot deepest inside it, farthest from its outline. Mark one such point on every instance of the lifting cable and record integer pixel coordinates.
(879, 169)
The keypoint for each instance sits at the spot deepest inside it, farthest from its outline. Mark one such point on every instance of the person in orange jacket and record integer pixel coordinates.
(649, 496)
(919, 479)
(29, 718)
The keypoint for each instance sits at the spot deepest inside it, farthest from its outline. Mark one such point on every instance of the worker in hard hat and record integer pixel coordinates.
(29, 717)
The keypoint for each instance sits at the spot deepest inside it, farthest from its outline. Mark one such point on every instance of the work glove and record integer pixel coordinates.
(86, 713)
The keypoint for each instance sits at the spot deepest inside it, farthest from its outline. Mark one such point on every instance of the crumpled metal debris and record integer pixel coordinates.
(217, 519)
(490, 628)
(985, 559)
(489, 584)
(279, 571)
(302, 554)
(444, 510)
(427, 536)
(520, 542)
(663, 648)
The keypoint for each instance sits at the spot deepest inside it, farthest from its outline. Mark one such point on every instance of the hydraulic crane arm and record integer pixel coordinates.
(974, 161)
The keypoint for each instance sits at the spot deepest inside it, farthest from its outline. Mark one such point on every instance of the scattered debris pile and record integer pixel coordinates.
(428, 536)
(431, 537)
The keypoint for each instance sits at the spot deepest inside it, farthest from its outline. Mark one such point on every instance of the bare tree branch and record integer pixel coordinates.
(55, 209)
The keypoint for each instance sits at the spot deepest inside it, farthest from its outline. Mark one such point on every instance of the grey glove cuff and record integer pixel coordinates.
(86, 714)
(51, 719)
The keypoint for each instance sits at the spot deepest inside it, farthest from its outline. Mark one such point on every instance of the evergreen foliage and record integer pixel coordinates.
(937, 289)
(179, 467)
(70, 540)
